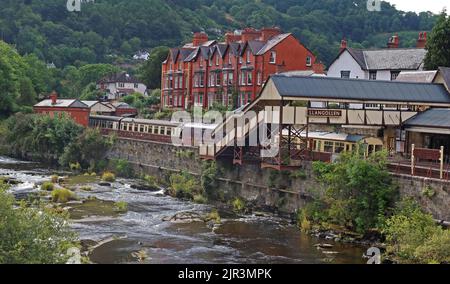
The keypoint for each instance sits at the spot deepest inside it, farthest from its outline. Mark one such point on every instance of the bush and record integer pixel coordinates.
(121, 207)
(184, 185)
(151, 181)
(63, 195)
(47, 186)
(213, 216)
(238, 205)
(299, 174)
(108, 177)
(412, 236)
(359, 193)
(428, 192)
(121, 167)
(55, 178)
(86, 188)
(75, 167)
(32, 236)
(199, 199)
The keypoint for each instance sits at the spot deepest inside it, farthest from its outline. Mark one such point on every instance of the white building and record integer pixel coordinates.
(120, 85)
(378, 64)
(141, 55)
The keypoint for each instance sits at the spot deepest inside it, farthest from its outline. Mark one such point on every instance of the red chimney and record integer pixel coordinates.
(54, 97)
(394, 41)
(199, 39)
(343, 44)
(422, 41)
(268, 33)
(231, 37)
(249, 34)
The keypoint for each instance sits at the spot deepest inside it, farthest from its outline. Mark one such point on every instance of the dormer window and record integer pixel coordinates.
(273, 57)
(217, 60)
(248, 56)
(229, 59)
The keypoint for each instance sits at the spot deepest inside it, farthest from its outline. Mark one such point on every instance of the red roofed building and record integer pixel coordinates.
(205, 72)
(74, 108)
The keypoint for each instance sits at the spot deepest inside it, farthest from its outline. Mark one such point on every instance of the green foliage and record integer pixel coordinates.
(108, 177)
(47, 186)
(359, 192)
(299, 174)
(438, 44)
(55, 178)
(303, 222)
(88, 150)
(209, 184)
(150, 71)
(213, 216)
(184, 185)
(428, 192)
(32, 236)
(121, 207)
(413, 237)
(121, 167)
(199, 199)
(63, 195)
(238, 205)
(152, 181)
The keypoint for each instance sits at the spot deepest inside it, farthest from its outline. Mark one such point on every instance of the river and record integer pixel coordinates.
(142, 232)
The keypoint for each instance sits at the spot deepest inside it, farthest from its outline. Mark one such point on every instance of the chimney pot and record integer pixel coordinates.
(343, 44)
(54, 97)
(422, 41)
(199, 39)
(268, 33)
(394, 41)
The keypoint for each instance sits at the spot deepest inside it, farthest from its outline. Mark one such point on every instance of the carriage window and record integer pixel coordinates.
(339, 148)
(328, 147)
(161, 130)
(135, 128)
(169, 131)
(141, 128)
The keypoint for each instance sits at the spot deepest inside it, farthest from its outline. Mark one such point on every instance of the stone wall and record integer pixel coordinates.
(263, 188)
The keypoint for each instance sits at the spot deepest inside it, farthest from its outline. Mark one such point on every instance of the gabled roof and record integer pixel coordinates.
(254, 45)
(445, 71)
(122, 77)
(174, 53)
(387, 58)
(435, 117)
(417, 76)
(360, 90)
(234, 48)
(222, 49)
(271, 43)
(62, 103)
(200, 51)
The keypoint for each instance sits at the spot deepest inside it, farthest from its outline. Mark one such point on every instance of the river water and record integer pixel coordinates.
(142, 231)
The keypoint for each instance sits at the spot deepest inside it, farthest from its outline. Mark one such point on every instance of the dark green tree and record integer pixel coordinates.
(150, 71)
(438, 44)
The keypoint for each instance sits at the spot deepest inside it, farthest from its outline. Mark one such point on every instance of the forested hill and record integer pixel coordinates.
(109, 30)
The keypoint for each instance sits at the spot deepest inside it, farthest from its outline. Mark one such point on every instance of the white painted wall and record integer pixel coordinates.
(346, 62)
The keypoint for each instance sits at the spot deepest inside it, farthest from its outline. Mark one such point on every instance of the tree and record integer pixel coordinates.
(32, 236)
(438, 44)
(359, 192)
(150, 71)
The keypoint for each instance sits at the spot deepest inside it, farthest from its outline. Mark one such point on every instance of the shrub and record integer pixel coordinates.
(121, 167)
(200, 199)
(213, 216)
(238, 205)
(55, 178)
(412, 236)
(32, 236)
(108, 177)
(86, 188)
(303, 222)
(299, 174)
(75, 167)
(151, 181)
(184, 185)
(63, 195)
(428, 192)
(121, 207)
(47, 186)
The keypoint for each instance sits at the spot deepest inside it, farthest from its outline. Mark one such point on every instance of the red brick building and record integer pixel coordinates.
(77, 110)
(205, 72)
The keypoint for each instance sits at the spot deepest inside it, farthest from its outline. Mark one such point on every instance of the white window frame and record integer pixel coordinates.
(273, 57)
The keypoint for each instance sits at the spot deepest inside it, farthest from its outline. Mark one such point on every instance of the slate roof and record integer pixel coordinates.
(388, 58)
(445, 71)
(436, 117)
(272, 42)
(121, 77)
(417, 76)
(359, 90)
(62, 103)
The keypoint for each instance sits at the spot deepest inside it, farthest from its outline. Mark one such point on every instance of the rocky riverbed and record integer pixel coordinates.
(156, 228)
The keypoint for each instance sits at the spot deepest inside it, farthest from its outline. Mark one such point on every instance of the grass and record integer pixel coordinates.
(63, 195)
(80, 179)
(86, 188)
(121, 207)
(47, 186)
(213, 216)
(55, 178)
(108, 177)
(238, 205)
(199, 199)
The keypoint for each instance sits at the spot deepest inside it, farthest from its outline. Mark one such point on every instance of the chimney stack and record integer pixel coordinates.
(199, 39)
(268, 33)
(249, 34)
(422, 41)
(343, 44)
(54, 97)
(232, 37)
(394, 41)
